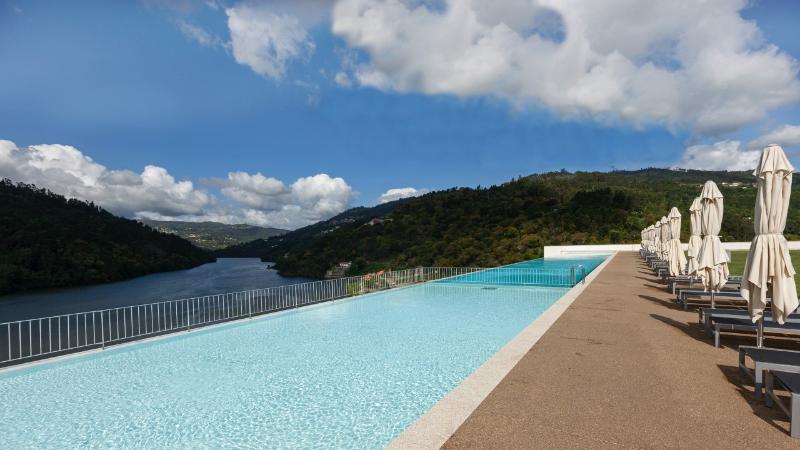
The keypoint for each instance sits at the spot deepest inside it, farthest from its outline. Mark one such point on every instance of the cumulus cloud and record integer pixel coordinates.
(265, 39)
(398, 193)
(723, 155)
(255, 191)
(640, 62)
(269, 201)
(65, 170)
(154, 193)
(735, 155)
(786, 136)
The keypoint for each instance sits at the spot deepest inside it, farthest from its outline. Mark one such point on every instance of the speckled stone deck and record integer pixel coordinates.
(624, 367)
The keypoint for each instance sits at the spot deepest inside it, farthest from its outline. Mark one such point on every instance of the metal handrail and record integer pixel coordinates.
(31, 339)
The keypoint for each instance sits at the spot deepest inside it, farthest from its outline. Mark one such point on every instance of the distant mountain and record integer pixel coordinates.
(512, 221)
(214, 235)
(273, 248)
(50, 241)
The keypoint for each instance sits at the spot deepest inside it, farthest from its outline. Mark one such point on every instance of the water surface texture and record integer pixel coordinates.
(225, 275)
(354, 374)
(536, 272)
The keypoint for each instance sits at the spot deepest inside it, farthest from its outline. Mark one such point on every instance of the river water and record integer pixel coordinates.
(224, 275)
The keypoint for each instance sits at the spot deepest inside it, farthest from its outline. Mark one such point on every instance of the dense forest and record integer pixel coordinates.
(50, 241)
(488, 226)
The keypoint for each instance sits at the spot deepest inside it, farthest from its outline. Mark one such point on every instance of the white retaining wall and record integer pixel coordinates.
(555, 251)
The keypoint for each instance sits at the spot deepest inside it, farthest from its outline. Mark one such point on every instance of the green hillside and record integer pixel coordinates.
(50, 241)
(513, 221)
(213, 235)
(271, 249)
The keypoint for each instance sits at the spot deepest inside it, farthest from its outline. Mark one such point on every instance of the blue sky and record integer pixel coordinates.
(128, 85)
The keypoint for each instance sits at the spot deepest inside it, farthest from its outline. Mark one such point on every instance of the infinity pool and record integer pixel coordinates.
(536, 272)
(350, 374)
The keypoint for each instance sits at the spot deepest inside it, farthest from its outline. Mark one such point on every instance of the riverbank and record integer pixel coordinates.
(224, 275)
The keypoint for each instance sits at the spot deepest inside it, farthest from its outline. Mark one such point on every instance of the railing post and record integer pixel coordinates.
(188, 318)
(249, 304)
(102, 332)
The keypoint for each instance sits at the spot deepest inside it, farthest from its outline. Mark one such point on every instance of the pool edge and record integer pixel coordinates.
(434, 428)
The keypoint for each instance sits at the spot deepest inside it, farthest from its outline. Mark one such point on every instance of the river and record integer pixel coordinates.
(224, 275)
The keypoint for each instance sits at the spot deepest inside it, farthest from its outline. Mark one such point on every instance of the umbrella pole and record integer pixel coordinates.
(760, 332)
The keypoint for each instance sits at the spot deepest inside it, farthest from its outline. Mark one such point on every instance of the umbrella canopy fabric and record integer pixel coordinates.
(663, 236)
(653, 247)
(657, 236)
(768, 271)
(712, 261)
(677, 259)
(694, 239)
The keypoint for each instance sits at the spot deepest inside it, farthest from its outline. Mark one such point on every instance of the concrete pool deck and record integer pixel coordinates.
(624, 367)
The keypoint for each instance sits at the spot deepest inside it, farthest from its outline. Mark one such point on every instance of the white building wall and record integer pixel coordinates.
(555, 251)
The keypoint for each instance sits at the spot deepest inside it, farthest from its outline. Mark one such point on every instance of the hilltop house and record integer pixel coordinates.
(339, 270)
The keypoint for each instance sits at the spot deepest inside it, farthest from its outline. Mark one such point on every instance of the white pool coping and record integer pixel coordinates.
(435, 427)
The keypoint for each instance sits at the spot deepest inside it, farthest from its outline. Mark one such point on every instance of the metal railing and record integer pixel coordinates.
(31, 339)
(573, 273)
(505, 275)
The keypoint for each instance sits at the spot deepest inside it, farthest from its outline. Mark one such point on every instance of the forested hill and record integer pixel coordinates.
(270, 249)
(513, 221)
(50, 241)
(214, 235)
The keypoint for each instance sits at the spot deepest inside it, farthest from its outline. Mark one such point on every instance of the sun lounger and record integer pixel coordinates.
(696, 283)
(767, 359)
(707, 315)
(699, 297)
(791, 382)
(682, 293)
(674, 282)
(720, 324)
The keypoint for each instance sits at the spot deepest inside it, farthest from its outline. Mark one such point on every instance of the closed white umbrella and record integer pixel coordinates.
(677, 260)
(657, 235)
(656, 239)
(663, 236)
(768, 271)
(694, 239)
(712, 262)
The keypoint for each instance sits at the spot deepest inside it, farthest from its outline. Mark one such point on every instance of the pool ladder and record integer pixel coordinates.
(573, 271)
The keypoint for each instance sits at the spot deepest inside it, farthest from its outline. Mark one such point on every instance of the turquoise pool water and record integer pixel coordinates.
(589, 261)
(349, 374)
(536, 272)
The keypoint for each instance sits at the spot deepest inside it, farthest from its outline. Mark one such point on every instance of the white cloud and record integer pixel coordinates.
(268, 201)
(398, 193)
(265, 39)
(342, 79)
(723, 155)
(733, 155)
(674, 63)
(201, 36)
(786, 136)
(154, 193)
(321, 196)
(256, 191)
(65, 170)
